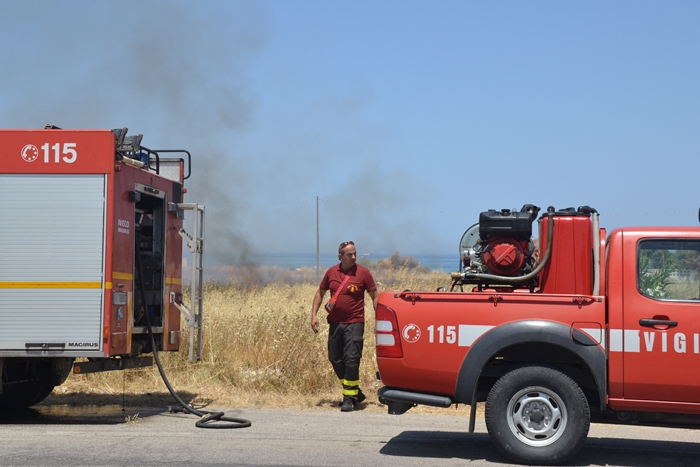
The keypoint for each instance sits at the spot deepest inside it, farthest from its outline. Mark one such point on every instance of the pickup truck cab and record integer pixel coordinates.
(552, 332)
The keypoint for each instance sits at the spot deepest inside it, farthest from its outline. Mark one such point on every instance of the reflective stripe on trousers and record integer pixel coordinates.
(350, 388)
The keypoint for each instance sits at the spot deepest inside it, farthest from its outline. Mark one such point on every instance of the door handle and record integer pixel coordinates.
(649, 322)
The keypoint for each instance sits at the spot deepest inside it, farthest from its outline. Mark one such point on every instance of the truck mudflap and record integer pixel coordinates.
(399, 401)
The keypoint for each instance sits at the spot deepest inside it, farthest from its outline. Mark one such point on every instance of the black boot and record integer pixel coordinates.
(348, 405)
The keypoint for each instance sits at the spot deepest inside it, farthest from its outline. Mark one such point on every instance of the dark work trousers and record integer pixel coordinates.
(345, 343)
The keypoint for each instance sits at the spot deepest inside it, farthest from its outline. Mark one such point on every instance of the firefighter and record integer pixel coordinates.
(348, 283)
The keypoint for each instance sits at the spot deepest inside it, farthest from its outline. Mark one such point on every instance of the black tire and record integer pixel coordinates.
(40, 391)
(34, 385)
(537, 415)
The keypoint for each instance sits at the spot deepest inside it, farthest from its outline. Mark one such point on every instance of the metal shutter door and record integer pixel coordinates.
(52, 231)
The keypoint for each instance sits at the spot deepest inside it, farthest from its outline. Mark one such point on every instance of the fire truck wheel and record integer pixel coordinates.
(35, 386)
(537, 415)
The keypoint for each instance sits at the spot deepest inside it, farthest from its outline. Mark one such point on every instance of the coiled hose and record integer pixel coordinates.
(209, 419)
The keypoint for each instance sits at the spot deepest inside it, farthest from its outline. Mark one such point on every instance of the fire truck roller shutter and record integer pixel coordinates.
(52, 240)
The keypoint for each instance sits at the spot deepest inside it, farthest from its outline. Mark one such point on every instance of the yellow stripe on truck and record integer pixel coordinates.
(122, 275)
(50, 285)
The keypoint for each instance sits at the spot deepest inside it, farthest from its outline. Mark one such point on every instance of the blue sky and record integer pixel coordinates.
(406, 118)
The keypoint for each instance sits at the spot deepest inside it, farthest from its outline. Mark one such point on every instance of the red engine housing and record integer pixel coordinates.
(505, 256)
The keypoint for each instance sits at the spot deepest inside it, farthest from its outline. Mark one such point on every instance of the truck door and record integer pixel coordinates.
(662, 320)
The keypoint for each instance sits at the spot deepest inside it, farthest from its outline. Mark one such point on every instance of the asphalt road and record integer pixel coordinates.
(102, 436)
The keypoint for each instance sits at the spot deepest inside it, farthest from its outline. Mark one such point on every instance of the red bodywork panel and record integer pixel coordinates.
(123, 268)
(450, 323)
(57, 151)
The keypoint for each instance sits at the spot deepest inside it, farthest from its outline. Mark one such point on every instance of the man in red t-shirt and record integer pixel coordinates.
(348, 283)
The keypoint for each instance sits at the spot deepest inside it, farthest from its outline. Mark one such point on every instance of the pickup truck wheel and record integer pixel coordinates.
(537, 415)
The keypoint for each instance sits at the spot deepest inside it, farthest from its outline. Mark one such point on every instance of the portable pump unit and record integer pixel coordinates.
(91, 221)
(499, 251)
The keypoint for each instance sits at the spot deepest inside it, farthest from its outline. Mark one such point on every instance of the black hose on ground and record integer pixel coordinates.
(208, 418)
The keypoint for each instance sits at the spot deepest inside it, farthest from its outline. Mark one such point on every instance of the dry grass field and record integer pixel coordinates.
(258, 347)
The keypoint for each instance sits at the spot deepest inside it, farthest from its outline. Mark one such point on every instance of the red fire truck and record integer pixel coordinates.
(91, 234)
(551, 333)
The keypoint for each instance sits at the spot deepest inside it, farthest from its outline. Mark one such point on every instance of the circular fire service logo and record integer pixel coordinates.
(30, 153)
(411, 333)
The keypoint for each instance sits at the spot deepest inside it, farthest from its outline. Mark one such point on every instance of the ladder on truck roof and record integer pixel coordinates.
(195, 243)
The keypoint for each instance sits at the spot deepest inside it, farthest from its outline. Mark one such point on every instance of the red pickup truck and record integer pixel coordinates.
(553, 332)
